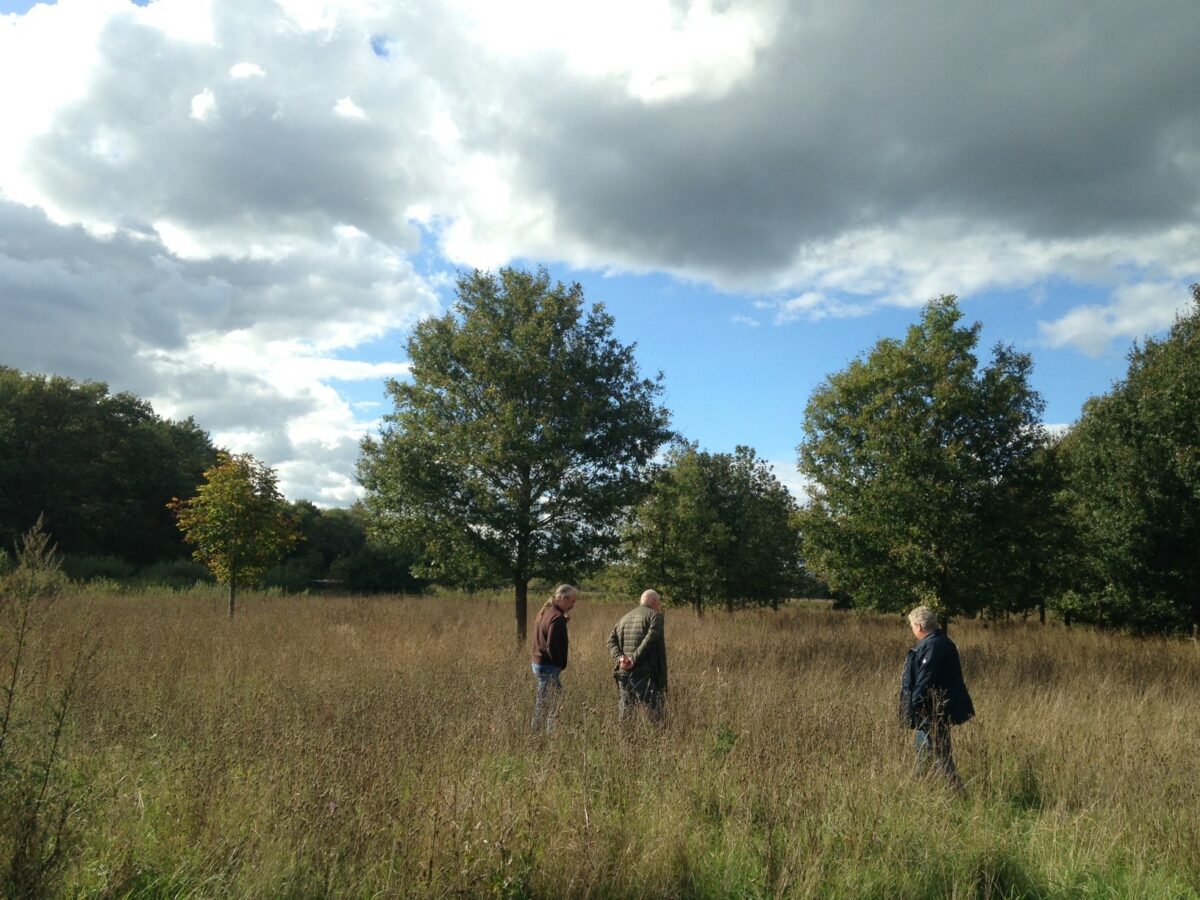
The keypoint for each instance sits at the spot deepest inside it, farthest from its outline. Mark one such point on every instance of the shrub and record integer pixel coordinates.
(85, 567)
(176, 574)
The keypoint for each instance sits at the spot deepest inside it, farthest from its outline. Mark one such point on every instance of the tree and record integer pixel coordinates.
(97, 467)
(716, 528)
(523, 434)
(237, 521)
(1133, 470)
(925, 478)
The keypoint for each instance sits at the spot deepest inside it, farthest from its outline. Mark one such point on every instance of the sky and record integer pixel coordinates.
(238, 209)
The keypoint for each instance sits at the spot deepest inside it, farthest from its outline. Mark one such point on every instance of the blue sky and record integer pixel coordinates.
(239, 209)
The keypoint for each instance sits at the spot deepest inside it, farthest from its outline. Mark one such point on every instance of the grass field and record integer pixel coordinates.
(380, 747)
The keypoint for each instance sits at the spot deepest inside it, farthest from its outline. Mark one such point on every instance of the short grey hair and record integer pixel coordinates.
(565, 590)
(924, 618)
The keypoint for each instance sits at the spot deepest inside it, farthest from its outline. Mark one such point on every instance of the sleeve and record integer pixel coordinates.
(614, 645)
(558, 641)
(907, 718)
(663, 637)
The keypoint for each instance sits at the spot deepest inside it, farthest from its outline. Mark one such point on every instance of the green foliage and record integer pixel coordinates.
(377, 568)
(335, 552)
(84, 567)
(1133, 464)
(237, 520)
(175, 574)
(521, 437)
(97, 467)
(715, 528)
(929, 484)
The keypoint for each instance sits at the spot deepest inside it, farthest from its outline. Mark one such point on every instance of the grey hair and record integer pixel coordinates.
(924, 618)
(563, 590)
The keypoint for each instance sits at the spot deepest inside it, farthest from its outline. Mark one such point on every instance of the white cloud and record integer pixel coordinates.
(251, 348)
(789, 476)
(1136, 310)
(348, 109)
(204, 105)
(189, 21)
(657, 50)
(246, 70)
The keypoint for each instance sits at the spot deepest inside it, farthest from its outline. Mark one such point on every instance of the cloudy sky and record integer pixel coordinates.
(238, 208)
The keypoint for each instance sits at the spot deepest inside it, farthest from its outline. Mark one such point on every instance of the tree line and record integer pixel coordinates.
(100, 471)
(526, 445)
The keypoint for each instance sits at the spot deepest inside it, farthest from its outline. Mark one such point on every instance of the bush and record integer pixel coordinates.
(295, 575)
(377, 569)
(176, 574)
(85, 567)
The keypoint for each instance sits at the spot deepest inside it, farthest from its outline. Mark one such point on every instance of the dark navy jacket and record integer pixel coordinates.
(933, 686)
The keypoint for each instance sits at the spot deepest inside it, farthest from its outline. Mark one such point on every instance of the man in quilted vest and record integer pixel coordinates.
(639, 651)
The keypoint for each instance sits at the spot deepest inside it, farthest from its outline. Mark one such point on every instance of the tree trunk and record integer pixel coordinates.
(1042, 613)
(232, 595)
(522, 607)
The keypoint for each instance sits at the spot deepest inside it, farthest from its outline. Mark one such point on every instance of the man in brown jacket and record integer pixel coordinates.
(549, 657)
(639, 651)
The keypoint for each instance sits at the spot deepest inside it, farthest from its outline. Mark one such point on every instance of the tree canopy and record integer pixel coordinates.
(924, 468)
(1133, 469)
(236, 521)
(523, 433)
(98, 468)
(716, 528)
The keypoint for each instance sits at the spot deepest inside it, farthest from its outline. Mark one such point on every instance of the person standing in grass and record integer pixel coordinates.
(550, 646)
(639, 651)
(933, 695)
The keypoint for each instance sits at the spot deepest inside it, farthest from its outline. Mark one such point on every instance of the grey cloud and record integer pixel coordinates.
(80, 306)
(274, 159)
(1054, 121)
(122, 311)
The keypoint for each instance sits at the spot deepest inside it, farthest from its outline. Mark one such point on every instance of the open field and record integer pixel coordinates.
(351, 747)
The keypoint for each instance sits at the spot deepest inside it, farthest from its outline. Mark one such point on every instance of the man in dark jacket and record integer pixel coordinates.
(933, 695)
(639, 651)
(549, 656)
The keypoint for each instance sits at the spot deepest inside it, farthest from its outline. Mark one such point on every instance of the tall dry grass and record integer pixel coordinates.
(350, 747)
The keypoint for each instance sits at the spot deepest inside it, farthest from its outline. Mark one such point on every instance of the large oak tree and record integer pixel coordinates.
(522, 434)
(926, 470)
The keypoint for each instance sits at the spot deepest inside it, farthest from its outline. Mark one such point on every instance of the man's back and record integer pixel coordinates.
(640, 636)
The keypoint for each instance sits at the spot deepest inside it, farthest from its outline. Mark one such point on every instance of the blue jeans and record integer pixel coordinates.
(548, 698)
(932, 743)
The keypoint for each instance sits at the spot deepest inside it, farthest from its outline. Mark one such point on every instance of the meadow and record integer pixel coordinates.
(343, 747)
